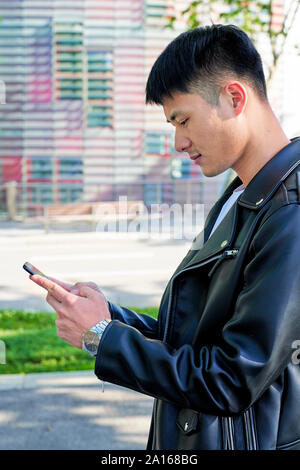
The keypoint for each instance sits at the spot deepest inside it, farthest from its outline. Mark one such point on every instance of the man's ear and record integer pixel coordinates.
(237, 95)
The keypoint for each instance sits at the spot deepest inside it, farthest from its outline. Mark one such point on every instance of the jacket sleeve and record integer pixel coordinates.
(253, 350)
(144, 323)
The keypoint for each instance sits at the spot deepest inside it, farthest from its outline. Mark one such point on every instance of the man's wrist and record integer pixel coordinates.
(92, 337)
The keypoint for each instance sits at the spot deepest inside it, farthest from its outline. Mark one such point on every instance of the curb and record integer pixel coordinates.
(47, 379)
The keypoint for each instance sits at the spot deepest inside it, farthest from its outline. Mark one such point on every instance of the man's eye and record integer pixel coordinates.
(183, 123)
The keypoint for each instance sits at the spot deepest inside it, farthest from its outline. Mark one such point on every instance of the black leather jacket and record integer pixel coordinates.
(218, 360)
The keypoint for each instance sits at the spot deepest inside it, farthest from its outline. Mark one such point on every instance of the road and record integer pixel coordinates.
(131, 270)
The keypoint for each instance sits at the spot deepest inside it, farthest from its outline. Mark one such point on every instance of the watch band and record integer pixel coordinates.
(100, 327)
(92, 337)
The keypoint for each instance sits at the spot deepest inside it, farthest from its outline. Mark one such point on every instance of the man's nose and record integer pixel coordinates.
(181, 143)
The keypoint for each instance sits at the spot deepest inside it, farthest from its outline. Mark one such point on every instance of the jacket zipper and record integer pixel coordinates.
(228, 433)
(249, 427)
(228, 422)
(250, 430)
(225, 254)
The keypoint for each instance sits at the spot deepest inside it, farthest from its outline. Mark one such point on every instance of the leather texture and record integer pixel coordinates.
(218, 360)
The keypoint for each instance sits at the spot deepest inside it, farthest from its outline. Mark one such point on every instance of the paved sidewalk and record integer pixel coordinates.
(69, 411)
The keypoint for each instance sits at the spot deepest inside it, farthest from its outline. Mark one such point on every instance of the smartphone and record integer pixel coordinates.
(32, 269)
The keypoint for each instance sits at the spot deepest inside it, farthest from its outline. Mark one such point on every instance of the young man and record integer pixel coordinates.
(218, 360)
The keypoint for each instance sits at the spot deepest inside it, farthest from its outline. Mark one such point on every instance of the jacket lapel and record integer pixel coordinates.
(204, 247)
(255, 196)
(213, 214)
(257, 193)
(220, 239)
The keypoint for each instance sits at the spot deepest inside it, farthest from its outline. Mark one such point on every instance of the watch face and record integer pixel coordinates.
(91, 341)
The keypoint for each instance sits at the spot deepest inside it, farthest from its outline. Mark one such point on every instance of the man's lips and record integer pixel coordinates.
(196, 156)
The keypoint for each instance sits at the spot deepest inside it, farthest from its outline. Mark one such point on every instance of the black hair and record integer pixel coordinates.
(198, 60)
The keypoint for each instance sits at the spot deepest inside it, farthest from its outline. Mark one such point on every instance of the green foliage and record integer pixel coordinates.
(254, 17)
(32, 344)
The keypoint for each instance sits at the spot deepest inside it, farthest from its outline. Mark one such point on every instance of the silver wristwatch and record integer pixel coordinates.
(91, 338)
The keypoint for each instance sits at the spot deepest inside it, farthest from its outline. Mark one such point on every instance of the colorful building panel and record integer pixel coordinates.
(74, 116)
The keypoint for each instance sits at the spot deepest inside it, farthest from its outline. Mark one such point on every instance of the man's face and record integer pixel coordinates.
(217, 134)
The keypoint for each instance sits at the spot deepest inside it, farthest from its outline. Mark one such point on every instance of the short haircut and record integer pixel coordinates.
(198, 61)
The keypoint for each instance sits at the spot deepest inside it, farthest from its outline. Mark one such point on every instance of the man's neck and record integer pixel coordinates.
(267, 139)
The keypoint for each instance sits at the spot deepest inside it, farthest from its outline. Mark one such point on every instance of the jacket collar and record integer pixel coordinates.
(255, 196)
(267, 180)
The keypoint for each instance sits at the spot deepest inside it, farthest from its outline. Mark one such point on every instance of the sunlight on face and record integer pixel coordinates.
(214, 132)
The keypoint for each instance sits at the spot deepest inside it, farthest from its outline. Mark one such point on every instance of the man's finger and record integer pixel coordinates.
(64, 285)
(54, 289)
(54, 303)
(86, 291)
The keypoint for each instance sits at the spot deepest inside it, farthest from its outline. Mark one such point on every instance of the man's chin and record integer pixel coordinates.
(210, 173)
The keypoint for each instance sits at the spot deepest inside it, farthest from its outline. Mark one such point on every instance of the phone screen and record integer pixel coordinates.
(32, 269)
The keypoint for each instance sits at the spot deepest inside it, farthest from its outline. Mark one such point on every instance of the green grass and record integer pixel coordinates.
(32, 344)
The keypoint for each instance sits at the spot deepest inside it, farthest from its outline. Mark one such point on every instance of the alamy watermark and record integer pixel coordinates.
(296, 353)
(2, 92)
(2, 352)
(174, 221)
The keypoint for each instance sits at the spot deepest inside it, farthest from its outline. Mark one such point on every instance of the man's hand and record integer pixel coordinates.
(74, 288)
(79, 307)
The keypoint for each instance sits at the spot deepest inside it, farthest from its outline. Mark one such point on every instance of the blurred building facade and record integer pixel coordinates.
(74, 126)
